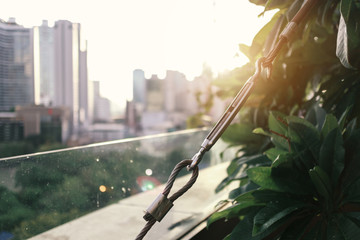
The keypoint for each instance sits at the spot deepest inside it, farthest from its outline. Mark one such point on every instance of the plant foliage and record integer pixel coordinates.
(310, 190)
(300, 179)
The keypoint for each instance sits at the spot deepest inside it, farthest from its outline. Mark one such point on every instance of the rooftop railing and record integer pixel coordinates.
(43, 190)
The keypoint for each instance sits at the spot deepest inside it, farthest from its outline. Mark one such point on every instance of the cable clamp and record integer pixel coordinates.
(159, 208)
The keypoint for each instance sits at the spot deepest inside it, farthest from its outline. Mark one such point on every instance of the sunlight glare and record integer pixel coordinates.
(154, 36)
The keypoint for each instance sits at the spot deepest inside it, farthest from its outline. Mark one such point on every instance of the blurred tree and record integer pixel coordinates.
(12, 211)
(59, 187)
(8, 149)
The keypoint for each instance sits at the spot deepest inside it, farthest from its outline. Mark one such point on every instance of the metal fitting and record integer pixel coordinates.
(196, 159)
(288, 30)
(160, 207)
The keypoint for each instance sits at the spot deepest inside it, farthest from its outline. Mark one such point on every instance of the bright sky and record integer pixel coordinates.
(153, 35)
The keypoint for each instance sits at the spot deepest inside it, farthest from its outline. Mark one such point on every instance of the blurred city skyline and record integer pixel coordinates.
(153, 35)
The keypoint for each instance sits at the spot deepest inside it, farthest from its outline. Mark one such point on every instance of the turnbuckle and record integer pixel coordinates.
(227, 116)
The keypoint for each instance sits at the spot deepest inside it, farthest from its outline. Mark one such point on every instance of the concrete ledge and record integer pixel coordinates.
(123, 220)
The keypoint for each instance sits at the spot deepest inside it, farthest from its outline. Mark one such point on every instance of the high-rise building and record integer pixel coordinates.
(60, 66)
(139, 87)
(16, 65)
(44, 64)
(66, 43)
(83, 91)
(155, 99)
(70, 72)
(159, 104)
(176, 86)
(101, 105)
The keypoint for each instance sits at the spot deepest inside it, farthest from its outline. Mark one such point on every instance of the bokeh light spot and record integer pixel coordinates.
(148, 172)
(102, 188)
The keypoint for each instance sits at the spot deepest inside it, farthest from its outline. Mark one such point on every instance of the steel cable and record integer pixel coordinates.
(169, 184)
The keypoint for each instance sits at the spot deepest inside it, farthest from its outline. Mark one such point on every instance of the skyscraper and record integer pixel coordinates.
(175, 91)
(44, 64)
(16, 65)
(83, 90)
(155, 99)
(139, 87)
(100, 104)
(70, 72)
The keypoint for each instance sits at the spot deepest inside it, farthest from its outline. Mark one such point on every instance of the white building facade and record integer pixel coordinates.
(16, 65)
(44, 64)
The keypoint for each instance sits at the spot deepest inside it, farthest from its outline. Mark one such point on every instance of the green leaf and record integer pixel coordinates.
(266, 196)
(260, 38)
(305, 136)
(240, 133)
(341, 227)
(329, 124)
(352, 194)
(348, 39)
(243, 230)
(277, 123)
(246, 197)
(225, 182)
(352, 163)
(312, 229)
(321, 182)
(233, 211)
(293, 119)
(273, 153)
(332, 154)
(316, 115)
(249, 186)
(261, 131)
(350, 128)
(245, 49)
(228, 237)
(246, 202)
(237, 168)
(262, 176)
(286, 173)
(272, 213)
(282, 161)
(279, 141)
(343, 117)
(294, 231)
(273, 35)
